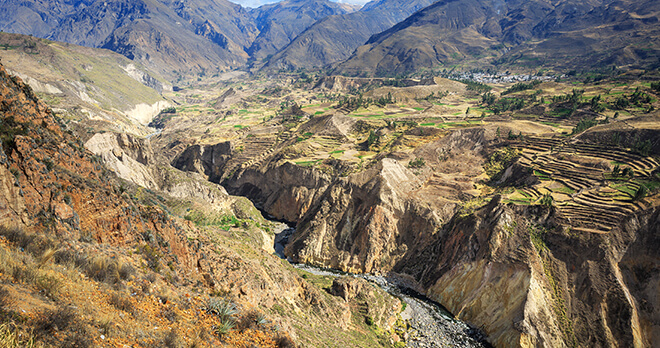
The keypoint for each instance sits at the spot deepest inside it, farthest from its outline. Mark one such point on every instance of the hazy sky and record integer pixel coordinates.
(257, 3)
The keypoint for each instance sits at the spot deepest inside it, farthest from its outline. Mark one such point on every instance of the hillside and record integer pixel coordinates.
(529, 35)
(91, 89)
(281, 22)
(528, 209)
(88, 259)
(333, 39)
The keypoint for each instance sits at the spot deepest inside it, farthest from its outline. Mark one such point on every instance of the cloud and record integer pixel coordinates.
(257, 3)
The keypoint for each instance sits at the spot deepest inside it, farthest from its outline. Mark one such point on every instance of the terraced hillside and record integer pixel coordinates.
(586, 181)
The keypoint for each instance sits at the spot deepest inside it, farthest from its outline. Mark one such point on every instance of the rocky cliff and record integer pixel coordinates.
(75, 239)
(527, 275)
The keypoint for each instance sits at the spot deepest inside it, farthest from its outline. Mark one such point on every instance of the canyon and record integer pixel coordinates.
(316, 174)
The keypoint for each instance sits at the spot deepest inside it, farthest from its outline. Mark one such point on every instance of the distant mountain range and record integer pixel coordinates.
(180, 39)
(533, 34)
(280, 23)
(334, 38)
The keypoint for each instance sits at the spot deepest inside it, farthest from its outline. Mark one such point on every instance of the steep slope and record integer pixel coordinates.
(334, 38)
(567, 34)
(88, 260)
(94, 88)
(281, 22)
(37, 17)
(172, 37)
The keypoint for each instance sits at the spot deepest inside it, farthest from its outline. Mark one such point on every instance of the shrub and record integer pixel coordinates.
(583, 125)
(222, 308)
(521, 86)
(48, 285)
(26, 273)
(58, 319)
(5, 300)
(12, 337)
(33, 243)
(629, 172)
(641, 192)
(224, 327)
(417, 163)
(655, 86)
(547, 200)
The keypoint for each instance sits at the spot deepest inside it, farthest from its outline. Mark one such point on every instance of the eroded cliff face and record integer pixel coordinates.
(56, 191)
(517, 272)
(281, 188)
(364, 223)
(127, 156)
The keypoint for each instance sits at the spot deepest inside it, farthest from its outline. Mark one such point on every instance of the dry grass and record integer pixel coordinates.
(122, 302)
(11, 336)
(64, 321)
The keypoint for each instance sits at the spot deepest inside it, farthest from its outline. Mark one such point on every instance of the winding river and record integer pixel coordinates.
(431, 325)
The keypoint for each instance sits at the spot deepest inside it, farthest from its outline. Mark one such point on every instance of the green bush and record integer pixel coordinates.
(417, 163)
(583, 125)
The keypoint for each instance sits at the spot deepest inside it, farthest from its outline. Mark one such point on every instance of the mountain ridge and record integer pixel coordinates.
(333, 38)
(535, 34)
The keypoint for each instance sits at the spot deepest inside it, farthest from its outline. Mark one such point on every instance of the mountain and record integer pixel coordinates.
(175, 38)
(568, 34)
(37, 18)
(334, 38)
(281, 22)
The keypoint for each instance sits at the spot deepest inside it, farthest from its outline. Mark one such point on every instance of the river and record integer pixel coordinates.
(431, 325)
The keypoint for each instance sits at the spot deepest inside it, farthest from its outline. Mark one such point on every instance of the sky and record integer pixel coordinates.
(257, 3)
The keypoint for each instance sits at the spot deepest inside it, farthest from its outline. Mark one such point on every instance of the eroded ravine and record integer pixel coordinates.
(428, 323)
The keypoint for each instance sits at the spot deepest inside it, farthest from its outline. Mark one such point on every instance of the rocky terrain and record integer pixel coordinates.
(90, 259)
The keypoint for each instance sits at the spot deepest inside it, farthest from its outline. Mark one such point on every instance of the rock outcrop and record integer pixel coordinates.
(206, 160)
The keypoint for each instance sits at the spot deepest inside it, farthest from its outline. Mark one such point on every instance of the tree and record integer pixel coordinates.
(547, 200)
(628, 172)
(616, 171)
(641, 192)
(417, 163)
(488, 98)
(373, 138)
